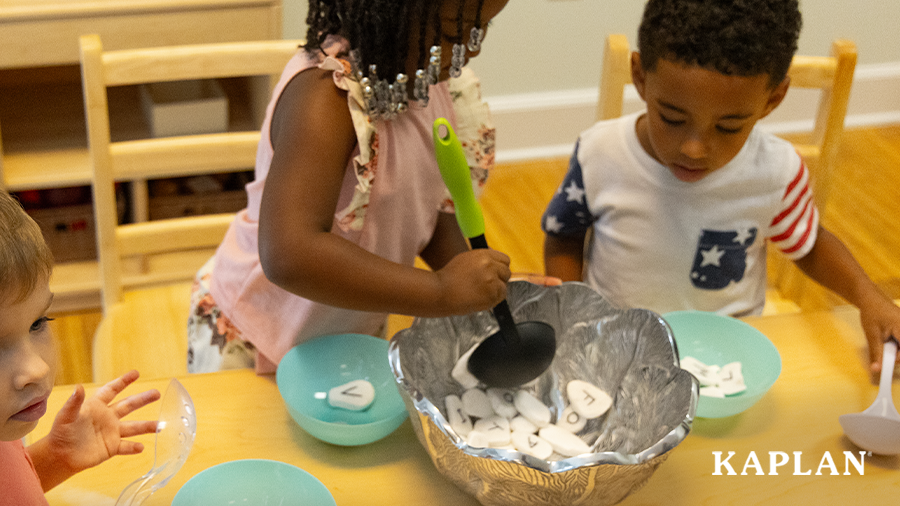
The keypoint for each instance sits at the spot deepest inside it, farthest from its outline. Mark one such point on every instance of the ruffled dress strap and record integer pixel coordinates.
(474, 128)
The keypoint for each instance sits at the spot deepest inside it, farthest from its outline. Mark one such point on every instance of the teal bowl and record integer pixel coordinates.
(253, 481)
(311, 369)
(717, 340)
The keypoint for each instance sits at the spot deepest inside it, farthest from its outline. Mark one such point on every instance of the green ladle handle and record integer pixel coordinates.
(456, 174)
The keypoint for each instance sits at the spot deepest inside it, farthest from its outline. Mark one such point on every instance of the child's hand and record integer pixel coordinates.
(87, 432)
(880, 321)
(536, 279)
(474, 281)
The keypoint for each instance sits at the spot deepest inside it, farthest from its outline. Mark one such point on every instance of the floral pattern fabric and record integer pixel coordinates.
(214, 343)
(475, 131)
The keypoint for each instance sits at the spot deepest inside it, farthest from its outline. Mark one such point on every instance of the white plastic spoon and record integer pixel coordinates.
(877, 429)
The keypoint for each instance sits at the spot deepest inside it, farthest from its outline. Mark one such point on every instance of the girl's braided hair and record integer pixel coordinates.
(378, 29)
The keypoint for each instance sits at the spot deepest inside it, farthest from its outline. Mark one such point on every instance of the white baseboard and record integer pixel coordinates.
(545, 125)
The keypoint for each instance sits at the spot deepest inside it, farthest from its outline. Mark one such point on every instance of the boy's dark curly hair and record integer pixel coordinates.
(380, 29)
(734, 37)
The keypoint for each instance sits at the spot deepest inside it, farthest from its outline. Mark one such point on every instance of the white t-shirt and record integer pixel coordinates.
(663, 244)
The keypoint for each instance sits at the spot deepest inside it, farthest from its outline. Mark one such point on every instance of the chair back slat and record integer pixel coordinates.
(176, 63)
(184, 155)
(136, 161)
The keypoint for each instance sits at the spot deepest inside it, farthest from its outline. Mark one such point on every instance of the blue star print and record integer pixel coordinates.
(721, 258)
(567, 213)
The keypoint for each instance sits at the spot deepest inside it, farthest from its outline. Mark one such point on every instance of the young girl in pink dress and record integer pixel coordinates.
(347, 192)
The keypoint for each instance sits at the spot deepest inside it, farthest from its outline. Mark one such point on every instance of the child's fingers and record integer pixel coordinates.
(875, 359)
(109, 391)
(69, 412)
(130, 447)
(876, 356)
(134, 402)
(500, 262)
(537, 279)
(137, 428)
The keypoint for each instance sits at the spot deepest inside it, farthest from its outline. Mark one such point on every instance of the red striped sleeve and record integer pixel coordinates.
(793, 228)
(804, 238)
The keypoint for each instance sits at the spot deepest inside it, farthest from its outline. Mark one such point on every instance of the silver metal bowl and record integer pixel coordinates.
(629, 352)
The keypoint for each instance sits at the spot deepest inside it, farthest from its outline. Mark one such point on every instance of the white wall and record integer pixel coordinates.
(541, 63)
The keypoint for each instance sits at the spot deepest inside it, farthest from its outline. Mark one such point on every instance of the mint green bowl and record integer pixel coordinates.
(717, 340)
(253, 481)
(311, 369)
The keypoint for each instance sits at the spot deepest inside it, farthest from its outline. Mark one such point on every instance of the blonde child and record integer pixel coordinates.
(86, 431)
(347, 192)
(683, 197)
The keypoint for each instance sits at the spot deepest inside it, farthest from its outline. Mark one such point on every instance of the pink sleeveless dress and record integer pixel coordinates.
(389, 204)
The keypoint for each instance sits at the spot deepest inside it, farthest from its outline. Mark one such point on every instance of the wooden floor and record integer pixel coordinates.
(864, 213)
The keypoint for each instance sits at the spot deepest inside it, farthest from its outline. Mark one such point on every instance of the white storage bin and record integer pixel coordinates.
(185, 107)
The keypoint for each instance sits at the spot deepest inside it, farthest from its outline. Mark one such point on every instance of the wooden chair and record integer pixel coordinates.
(146, 301)
(833, 75)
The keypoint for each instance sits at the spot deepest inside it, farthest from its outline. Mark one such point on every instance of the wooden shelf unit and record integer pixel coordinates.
(42, 131)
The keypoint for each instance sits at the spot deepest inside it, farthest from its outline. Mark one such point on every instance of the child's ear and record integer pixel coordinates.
(637, 74)
(777, 95)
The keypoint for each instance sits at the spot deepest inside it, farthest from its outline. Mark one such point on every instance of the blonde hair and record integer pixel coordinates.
(25, 258)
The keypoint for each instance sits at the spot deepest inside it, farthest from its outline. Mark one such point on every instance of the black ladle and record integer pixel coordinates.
(517, 353)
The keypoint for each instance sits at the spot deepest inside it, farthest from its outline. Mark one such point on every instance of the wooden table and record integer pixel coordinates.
(240, 415)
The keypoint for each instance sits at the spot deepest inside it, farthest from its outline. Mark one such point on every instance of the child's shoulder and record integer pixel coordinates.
(606, 137)
(613, 126)
(767, 149)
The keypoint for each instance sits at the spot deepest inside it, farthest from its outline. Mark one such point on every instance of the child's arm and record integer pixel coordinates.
(445, 244)
(314, 138)
(564, 256)
(832, 265)
(88, 432)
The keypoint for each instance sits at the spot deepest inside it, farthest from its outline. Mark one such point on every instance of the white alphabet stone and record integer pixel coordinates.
(712, 391)
(356, 395)
(564, 442)
(532, 409)
(457, 418)
(570, 420)
(496, 429)
(521, 424)
(503, 402)
(731, 380)
(476, 403)
(477, 439)
(587, 400)
(706, 374)
(460, 371)
(716, 381)
(532, 444)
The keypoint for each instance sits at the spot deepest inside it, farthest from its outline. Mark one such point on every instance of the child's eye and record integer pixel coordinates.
(40, 324)
(729, 130)
(670, 121)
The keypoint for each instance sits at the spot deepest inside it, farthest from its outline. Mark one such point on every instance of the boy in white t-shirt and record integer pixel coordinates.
(682, 198)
